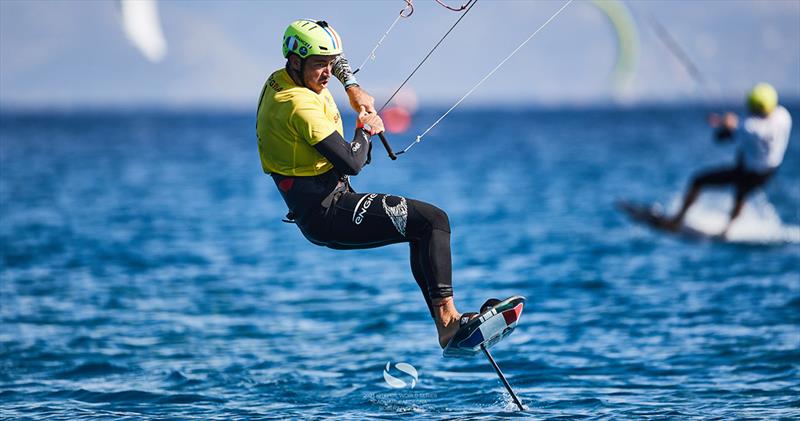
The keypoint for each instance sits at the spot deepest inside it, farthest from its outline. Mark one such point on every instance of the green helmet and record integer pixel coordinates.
(762, 99)
(306, 37)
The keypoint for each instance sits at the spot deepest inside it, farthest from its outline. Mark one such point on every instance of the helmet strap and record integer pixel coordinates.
(303, 72)
(298, 76)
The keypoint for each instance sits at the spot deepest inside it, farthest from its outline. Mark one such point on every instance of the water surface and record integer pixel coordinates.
(146, 273)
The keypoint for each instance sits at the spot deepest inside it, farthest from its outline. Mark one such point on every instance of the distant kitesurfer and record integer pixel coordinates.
(301, 144)
(763, 139)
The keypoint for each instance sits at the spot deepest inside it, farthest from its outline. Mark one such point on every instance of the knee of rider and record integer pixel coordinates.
(439, 220)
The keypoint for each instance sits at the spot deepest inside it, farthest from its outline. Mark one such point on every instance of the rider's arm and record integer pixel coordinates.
(347, 158)
(724, 126)
(341, 69)
(356, 94)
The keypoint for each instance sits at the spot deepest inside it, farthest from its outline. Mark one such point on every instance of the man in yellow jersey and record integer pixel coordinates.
(302, 146)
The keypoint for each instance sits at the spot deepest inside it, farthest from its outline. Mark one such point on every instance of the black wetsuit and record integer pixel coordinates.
(329, 213)
(744, 180)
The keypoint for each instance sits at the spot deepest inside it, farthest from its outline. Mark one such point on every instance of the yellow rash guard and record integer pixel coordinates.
(291, 120)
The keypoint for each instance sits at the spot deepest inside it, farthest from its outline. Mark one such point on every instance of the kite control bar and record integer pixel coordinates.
(387, 146)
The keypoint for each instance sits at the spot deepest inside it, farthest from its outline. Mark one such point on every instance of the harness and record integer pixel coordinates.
(343, 186)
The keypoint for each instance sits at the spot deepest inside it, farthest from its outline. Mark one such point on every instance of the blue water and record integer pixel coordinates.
(146, 273)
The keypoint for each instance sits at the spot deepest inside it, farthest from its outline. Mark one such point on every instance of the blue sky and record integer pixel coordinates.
(74, 53)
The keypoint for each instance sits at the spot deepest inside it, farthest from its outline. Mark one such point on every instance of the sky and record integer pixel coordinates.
(74, 53)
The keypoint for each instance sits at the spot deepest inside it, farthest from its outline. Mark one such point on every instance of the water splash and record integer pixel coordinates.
(758, 223)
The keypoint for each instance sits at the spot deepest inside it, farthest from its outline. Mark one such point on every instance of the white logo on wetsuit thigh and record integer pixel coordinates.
(398, 214)
(358, 215)
(356, 146)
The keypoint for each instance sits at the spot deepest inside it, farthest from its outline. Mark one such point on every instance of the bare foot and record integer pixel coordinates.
(446, 318)
(447, 333)
(447, 330)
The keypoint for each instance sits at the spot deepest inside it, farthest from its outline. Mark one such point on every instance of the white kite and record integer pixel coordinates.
(142, 26)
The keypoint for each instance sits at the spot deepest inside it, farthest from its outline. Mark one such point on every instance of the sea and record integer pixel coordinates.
(146, 273)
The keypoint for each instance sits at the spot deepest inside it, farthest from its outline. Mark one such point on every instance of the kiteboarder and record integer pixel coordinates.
(763, 139)
(301, 145)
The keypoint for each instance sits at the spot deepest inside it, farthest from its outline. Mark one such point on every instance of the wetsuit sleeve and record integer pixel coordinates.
(347, 158)
(341, 69)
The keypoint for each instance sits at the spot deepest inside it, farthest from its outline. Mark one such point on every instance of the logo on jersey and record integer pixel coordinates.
(274, 84)
(361, 208)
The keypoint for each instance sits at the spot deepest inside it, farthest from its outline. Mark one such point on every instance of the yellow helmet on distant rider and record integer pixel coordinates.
(306, 37)
(762, 99)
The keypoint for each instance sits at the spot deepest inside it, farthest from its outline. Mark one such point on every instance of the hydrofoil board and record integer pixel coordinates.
(487, 329)
(653, 216)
